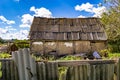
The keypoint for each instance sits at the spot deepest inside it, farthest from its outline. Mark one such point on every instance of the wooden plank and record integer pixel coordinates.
(56, 71)
(16, 72)
(100, 69)
(103, 71)
(118, 70)
(112, 71)
(15, 58)
(89, 72)
(53, 71)
(98, 72)
(16, 65)
(85, 72)
(21, 65)
(43, 71)
(26, 56)
(37, 67)
(8, 77)
(81, 72)
(40, 71)
(71, 72)
(7, 59)
(76, 73)
(94, 72)
(3, 70)
(33, 69)
(82, 62)
(12, 71)
(48, 71)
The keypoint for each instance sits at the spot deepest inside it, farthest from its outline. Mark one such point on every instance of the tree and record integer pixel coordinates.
(1, 40)
(111, 19)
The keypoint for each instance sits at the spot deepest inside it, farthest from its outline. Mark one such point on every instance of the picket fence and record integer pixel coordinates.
(23, 67)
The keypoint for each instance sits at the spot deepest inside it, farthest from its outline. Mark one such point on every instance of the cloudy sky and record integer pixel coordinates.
(16, 15)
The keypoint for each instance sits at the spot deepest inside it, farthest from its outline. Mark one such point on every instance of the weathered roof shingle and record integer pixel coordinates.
(67, 29)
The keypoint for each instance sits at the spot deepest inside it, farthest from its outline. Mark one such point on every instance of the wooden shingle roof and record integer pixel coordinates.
(67, 29)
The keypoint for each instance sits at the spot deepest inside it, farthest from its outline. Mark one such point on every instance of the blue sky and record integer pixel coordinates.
(16, 15)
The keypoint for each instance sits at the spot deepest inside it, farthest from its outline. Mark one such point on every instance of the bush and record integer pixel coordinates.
(114, 46)
(105, 52)
(114, 55)
(5, 55)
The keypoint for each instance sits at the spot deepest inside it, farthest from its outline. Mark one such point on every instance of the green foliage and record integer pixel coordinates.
(70, 57)
(112, 22)
(1, 41)
(114, 48)
(5, 55)
(114, 55)
(62, 73)
(111, 19)
(52, 58)
(105, 52)
(22, 43)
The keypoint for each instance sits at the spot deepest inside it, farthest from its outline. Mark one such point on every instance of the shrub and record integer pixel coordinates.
(5, 55)
(104, 52)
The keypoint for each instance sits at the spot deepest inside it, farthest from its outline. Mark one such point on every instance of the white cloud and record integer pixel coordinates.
(90, 8)
(41, 12)
(7, 29)
(11, 33)
(10, 28)
(86, 7)
(22, 34)
(2, 31)
(4, 20)
(81, 16)
(98, 11)
(26, 20)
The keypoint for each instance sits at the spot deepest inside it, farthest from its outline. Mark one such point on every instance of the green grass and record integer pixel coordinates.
(70, 57)
(114, 55)
(5, 55)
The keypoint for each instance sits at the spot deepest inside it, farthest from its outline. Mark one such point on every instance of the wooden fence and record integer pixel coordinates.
(8, 70)
(23, 67)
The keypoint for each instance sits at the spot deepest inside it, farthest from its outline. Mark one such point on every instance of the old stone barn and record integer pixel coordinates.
(66, 35)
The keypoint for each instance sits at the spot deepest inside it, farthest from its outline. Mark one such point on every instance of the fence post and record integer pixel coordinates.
(15, 64)
(33, 68)
(118, 69)
(21, 65)
(15, 58)
(26, 58)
